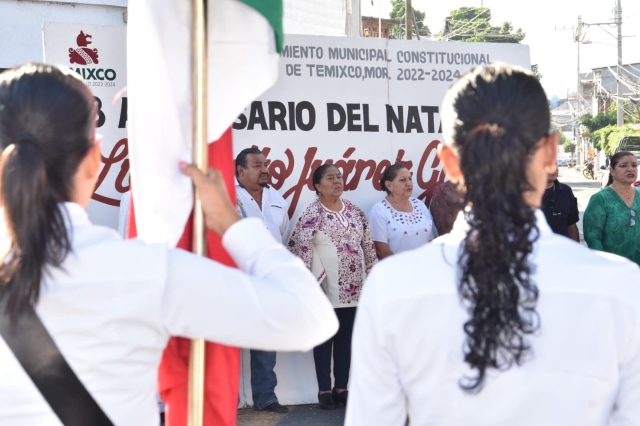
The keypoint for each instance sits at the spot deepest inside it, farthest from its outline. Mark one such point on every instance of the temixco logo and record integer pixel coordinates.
(82, 55)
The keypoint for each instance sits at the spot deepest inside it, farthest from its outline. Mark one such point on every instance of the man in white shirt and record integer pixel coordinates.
(255, 198)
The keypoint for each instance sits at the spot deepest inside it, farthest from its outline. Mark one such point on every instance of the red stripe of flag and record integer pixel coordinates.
(222, 364)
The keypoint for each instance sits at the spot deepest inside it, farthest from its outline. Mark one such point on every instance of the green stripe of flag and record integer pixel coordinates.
(272, 10)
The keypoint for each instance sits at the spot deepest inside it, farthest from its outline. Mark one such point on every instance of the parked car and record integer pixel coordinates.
(562, 162)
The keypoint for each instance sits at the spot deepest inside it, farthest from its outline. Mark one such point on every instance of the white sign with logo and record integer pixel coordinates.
(98, 55)
(362, 104)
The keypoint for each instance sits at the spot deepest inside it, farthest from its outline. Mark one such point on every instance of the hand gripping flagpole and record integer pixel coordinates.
(201, 160)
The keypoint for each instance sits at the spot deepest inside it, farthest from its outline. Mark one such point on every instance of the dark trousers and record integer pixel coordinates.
(263, 378)
(341, 346)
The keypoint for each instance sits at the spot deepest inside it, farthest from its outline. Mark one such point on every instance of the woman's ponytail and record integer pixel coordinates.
(34, 221)
(494, 117)
(47, 121)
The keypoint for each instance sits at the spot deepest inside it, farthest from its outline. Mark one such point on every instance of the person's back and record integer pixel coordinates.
(587, 348)
(109, 306)
(89, 306)
(514, 325)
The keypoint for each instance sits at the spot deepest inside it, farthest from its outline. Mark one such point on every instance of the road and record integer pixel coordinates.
(299, 415)
(311, 415)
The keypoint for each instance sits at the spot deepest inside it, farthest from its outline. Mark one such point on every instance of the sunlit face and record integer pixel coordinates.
(626, 170)
(402, 185)
(331, 184)
(256, 174)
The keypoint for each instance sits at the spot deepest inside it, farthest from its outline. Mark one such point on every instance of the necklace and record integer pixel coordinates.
(622, 195)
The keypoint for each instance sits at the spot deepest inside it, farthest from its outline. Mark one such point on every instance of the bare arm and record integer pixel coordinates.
(382, 250)
(573, 233)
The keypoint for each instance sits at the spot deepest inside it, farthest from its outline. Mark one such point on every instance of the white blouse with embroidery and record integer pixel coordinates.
(402, 231)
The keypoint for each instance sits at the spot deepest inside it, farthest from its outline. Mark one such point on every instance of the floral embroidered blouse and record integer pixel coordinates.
(611, 226)
(337, 248)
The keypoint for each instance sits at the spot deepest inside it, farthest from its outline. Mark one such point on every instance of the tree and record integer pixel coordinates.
(568, 146)
(473, 24)
(534, 69)
(600, 121)
(610, 136)
(397, 12)
(608, 121)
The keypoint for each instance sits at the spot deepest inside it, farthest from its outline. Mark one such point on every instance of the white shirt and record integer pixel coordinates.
(274, 212)
(123, 214)
(408, 343)
(401, 231)
(113, 310)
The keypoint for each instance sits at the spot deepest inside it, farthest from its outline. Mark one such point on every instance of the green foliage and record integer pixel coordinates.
(534, 69)
(602, 125)
(397, 12)
(599, 121)
(568, 146)
(472, 24)
(594, 124)
(610, 136)
(563, 139)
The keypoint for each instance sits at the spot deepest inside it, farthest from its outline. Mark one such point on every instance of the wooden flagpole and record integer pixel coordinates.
(201, 160)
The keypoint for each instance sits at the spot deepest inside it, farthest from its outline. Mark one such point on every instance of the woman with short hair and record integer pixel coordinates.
(500, 322)
(612, 218)
(84, 313)
(332, 237)
(399, 222)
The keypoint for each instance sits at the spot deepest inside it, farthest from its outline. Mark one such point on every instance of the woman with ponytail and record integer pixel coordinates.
(92, 312)
(502, 332)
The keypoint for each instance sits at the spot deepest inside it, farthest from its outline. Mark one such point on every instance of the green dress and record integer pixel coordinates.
(606, 224)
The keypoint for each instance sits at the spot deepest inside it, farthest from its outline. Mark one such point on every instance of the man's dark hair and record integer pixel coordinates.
(241, 159)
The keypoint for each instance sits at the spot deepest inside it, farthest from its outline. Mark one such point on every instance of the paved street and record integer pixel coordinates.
(299, 415)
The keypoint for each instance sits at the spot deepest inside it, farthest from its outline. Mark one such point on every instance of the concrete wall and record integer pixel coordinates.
(21, 24)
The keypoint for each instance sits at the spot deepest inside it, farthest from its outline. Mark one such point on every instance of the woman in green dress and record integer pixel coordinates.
(611, 219)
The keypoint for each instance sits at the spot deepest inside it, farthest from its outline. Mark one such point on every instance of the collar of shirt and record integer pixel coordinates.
(76, 215)
(461, 227)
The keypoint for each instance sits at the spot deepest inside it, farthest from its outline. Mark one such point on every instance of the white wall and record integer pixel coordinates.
(315, 17)
(21, 24)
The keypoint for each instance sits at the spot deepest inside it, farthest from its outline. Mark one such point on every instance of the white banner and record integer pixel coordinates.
(362, 104)
(98, 54)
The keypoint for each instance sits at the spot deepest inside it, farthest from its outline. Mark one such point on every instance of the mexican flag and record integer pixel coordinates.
(244, 41)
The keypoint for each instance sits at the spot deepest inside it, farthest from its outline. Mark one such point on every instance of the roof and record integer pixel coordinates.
(384, 20)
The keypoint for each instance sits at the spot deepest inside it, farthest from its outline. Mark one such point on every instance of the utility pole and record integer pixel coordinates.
(619, 101)
(578, 135)
(379, 20)
(408, 19)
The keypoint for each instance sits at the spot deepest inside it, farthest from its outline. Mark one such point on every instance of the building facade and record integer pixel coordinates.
(372, 26)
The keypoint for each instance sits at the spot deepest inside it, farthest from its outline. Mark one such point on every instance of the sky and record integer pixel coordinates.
(554, 51)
